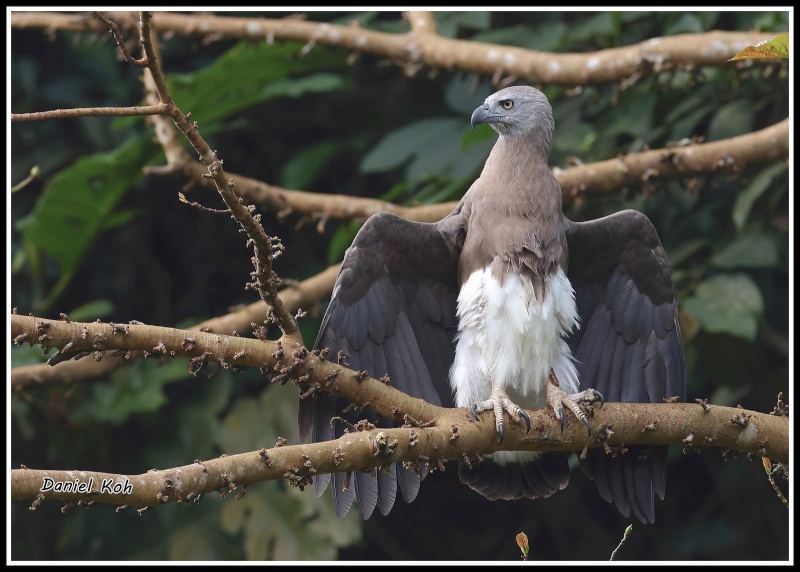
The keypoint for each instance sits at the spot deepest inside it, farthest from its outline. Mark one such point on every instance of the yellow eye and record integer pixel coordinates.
(507, 104)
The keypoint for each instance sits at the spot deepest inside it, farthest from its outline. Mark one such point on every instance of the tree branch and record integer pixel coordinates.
(455, 435)
(698, 159)
(159, 109)
(266, 248)
(421, 48)
(302, 295)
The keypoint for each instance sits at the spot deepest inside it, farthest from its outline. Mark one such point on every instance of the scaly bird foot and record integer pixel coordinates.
(499, 402)
(556, 399)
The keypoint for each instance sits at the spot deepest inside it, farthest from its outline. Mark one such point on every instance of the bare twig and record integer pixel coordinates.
(159, 109)
(621, 542)
(266, 279)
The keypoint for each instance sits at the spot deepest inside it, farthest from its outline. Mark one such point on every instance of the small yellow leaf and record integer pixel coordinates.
(777, 47)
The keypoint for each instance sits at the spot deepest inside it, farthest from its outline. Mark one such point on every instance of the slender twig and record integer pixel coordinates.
(27, 180)
(768, 468)
(621, 542)
(159, 109)
(114, 31)
(266, 279)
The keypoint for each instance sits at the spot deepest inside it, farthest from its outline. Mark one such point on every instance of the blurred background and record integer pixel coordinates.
(94, 238)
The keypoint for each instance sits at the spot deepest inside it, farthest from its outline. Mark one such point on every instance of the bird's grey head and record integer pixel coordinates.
(518, 111)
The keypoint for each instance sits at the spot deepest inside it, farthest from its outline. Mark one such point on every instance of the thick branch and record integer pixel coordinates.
(159, 109)
(421, 22)
(302, 295)
(734, 154)
(421, 48)
(455, 434)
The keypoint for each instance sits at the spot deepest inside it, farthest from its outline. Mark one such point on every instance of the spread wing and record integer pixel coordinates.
(629, 345)
(393, 311)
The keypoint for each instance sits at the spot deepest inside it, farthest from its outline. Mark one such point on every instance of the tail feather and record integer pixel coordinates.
(516, 474)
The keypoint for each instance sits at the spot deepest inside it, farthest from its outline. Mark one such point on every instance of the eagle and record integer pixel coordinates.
(502, 306)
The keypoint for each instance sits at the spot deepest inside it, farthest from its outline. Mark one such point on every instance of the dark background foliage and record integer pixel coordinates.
(94, 238)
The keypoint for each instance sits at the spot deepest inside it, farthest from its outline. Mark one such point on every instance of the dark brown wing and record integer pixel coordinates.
(629, 344)
(393, 311)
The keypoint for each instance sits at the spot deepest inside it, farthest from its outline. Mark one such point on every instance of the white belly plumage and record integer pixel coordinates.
(509, 337)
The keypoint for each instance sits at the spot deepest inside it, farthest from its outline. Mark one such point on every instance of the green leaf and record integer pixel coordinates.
(138, 388)
(278, 524)
(341, 241)
(482, 133)
(688, 23)
(447, 23)
(411, 140)
(251, 73)
(459, 97)
(303, 168)
(685, 250)
(77, 203)
(752, 250)
(728, 303)
(119, 218)
(91, 311)
(732, 119)
(542, 38)
(746, 198)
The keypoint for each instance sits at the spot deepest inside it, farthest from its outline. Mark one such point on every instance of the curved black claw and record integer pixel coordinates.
(588, 426)
(562, 418)
(601, 398)
(527, 421)
(474, 411)
(501, 432)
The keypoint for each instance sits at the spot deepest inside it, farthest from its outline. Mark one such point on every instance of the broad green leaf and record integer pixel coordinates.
(91, 310)
(688, 23)
(447, 23)
(302, 170)
(727, 303)
(78, 201)
(775, 48)
(542, 38)
(250, 73)
(278, 524)
(573, 140)
(482, 133)
(138, 388)
(685, 250)
(459, 97)
(341, 241)
(195, 426)
(400, 145)
(752, 250)
(26, 355)
(732, 119)
(119, 218)
(601, 24)
(746, 198)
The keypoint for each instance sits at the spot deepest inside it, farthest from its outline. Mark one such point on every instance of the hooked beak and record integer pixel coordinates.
(481, 115)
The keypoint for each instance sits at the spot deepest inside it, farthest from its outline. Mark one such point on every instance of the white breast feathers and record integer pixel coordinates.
(508, 337)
